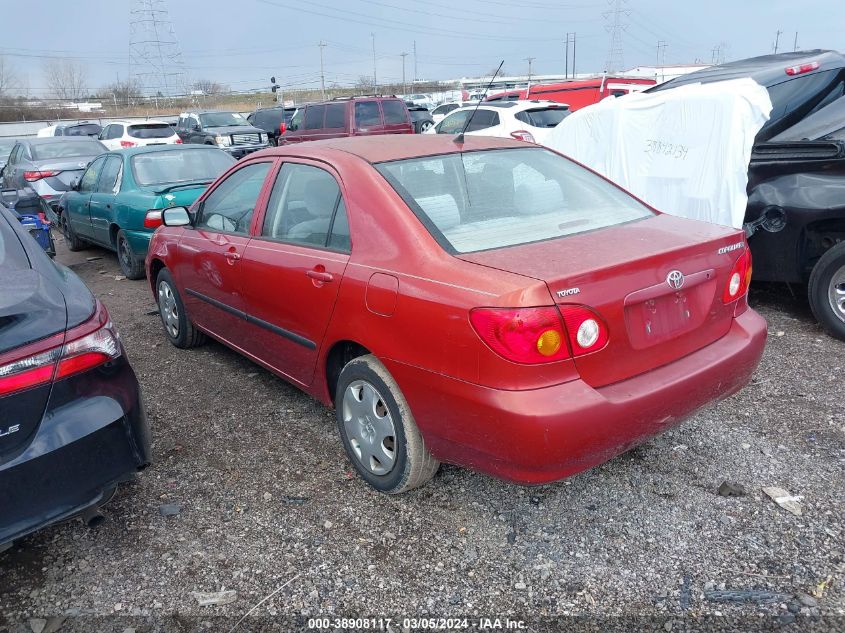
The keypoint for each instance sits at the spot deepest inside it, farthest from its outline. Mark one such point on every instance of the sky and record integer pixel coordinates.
(242, 43)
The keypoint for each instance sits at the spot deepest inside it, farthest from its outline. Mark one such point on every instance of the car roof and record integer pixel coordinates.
(766, 70)
(388, 147)
(126, 122)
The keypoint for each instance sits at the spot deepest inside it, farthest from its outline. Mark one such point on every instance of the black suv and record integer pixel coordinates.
(795, 218)
(270, 120)
(229, 131)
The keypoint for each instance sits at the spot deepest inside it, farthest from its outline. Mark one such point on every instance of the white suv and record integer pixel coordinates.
(530, 121)
(121, 134)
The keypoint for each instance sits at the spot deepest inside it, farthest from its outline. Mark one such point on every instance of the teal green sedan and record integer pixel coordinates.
(117, 202)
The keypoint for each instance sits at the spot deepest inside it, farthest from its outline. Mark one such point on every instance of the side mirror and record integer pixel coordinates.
(176, 216)
(74, 184)
(195, 127)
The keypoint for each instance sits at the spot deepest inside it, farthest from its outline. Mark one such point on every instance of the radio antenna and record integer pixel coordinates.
(460, 137)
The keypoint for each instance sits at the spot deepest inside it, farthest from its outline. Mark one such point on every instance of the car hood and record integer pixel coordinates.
(235, 129)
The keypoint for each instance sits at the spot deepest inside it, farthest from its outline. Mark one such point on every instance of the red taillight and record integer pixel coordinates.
(801, 69)
(523, 135)
(586, 330)
(283, 127)
(127, 144)
(153, 219)
(85, 347)
(522, 335)
(178, 141)
(32, 176)
(739, 279)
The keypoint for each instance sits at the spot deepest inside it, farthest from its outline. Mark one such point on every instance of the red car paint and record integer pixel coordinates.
(576, 93)
(401, 296)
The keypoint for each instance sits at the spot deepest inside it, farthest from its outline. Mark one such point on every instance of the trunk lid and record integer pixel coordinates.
(69, 169)
(621, 273)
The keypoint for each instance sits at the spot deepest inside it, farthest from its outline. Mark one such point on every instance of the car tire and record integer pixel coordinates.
(74, 243)
(385, 445)
(177, 326)
(425, 126)
(131, 266)
(827, 291)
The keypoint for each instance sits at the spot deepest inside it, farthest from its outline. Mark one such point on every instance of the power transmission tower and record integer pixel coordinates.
(777, 41)
(616, 16)
(322, 45)
(661, 53)
(155, 60)
(404, 86)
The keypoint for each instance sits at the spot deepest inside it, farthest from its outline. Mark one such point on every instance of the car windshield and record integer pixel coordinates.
(543, 117)
(222, 119)
(66, 149)
(488, 199)
(179, 165)
(150, 130)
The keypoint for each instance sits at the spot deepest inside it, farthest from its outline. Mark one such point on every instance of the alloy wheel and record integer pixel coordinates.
(369, 427)
(168, 309)
(836, 293)
(124, 253)
(425, 125)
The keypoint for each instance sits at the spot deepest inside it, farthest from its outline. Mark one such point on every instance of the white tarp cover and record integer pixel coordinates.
(684, 151)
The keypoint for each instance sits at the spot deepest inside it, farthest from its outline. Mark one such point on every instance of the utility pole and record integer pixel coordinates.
(566, 58)
(404, 85)
(795, 45)
(322, 45)
(530, 61)
(573, 55)
(661, 53)
(375, 79)
(415, 61)
(777, 40)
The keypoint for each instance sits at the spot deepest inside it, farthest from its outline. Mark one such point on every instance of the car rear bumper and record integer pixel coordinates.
(544, 435)
(93, 436)
(139, 241)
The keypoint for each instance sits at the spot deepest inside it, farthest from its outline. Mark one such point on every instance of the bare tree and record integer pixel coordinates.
(8, 78)
(67, 79)
(209, 87)
(365, 84)
(121, 93)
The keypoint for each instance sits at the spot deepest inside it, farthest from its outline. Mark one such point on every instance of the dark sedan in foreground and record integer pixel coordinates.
(72, 426)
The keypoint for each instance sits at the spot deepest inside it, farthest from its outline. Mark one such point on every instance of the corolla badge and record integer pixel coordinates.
(12, 429)
(675, 279)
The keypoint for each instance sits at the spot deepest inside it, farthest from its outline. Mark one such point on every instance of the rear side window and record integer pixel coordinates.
(367, 113)
(314, 117)
(792, 99)
(542, 117)
(12, 255)
(394, 112)
(476, 201)
(336, 115)
(114, 131)
(482, 119)
(90, 129)
(150, 130)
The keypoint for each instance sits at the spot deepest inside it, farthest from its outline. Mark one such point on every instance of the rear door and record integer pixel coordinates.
(101, 205)
(397, 119)
(293, 267)
(78, 206)
(334, 122)
(368, 119)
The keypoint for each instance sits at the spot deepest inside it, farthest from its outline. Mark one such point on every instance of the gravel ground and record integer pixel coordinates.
(266, 498)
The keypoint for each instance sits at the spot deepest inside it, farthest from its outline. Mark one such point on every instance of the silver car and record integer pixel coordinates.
(48, 166)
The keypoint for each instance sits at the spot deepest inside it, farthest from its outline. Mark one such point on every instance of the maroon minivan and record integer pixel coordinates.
(348, 116)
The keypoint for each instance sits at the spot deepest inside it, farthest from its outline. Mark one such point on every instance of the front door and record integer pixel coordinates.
(100, 207)
(208, 267)
(77, 204)
(292, 270)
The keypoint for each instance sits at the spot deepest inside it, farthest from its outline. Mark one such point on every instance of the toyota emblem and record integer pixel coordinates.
(675, 279)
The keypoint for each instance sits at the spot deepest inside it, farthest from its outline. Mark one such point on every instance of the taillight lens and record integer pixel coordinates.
(178, 141)
(523, 135)
(739, 279)
(522, 335)
(586, 330)
(283, 127)
(153, 219)
(127, 144)
(86, 346)
(32, 176)
(801, 69)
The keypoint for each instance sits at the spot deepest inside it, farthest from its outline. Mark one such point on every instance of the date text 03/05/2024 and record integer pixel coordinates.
(424, 623)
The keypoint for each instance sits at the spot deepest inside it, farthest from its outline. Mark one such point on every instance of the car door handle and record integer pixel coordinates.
(232, 256)
(319, 275)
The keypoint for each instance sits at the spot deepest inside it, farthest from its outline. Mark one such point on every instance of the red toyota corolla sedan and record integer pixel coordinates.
(487, 303)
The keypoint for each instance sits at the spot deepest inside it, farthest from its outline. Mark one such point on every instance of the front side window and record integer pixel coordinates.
(89, 178)
(230, 206)
(314, 117)
(367, 113)
(394, 112)
(296, 120)
(488, 199)
(454, 123)
(302, 208)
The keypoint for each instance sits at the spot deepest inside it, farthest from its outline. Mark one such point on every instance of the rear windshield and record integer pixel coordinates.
(89, 129)
(66, 149)
(179, 165)
(150, 130)
(543, 117)
(476, 201)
